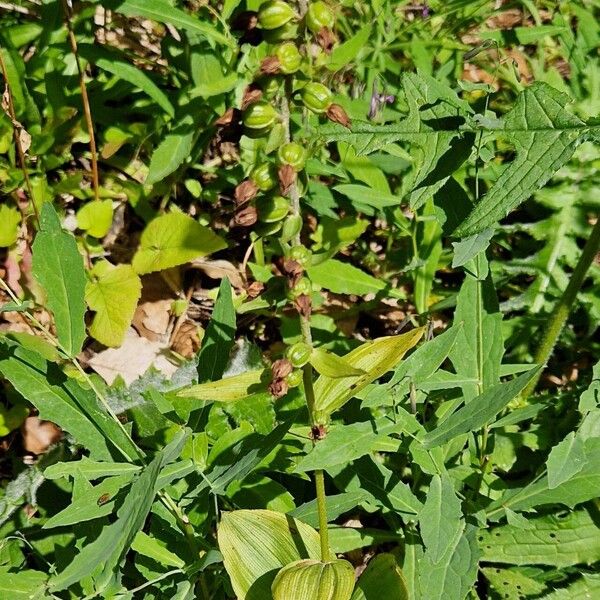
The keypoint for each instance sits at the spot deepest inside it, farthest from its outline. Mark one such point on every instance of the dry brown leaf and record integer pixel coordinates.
(151, 319)
(39, 435)
(217, 269)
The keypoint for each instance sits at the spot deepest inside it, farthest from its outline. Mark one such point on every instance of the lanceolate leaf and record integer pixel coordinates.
(58, 266)
(331, 365)
(174, 239)
(565, 460)
(344, 278)
(229, 389)
(375, 358)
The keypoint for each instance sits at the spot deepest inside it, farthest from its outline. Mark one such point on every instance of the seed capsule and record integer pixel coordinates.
(259, 116)
(264, 176)
(291, 227)
(289, 57)
(316, 97)
(292, 154)
(319, 15)
(299, 354)
(273, 209)
(274, 14)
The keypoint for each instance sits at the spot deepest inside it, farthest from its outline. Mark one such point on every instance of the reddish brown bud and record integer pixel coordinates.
(281, 368)
(303, 305)
(245, 191)
(278, 388)
(251, 95)
(228, 117)
(246, 217)
(337, 114)
(292, 268)
(326, 39)
(255, 289)
(287, 177)
(318, 432)
(270, 65)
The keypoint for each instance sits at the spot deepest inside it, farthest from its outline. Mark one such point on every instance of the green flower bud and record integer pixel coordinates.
(272, 209)
(294, 379)
(292, 154)
(316, 97)
(274, 14)
(301, 254)
(288, 32)
(289, 57)
(319, 15)
(291, 227)
(303, 287)
(264, 177)
(259, 116)
(298, 354)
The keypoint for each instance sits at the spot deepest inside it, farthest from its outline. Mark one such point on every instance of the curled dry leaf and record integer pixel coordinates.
(39, 435)
(217, 269)
(251, 95)
(186, 341)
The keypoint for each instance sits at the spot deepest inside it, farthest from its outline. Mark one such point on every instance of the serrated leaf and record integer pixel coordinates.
(375, 358)
(440, 519)
(162, 12)
(478, 411)
(255, 544)
(228, 389)
(171, 240)
(314, 580)
(545, 135)
(10, 219)
(219, 337)
(113, 294)
(58, 267)
(382, 578)
(556, 540)
(565, 460)
(331, 365)
(344, 278)
(172, 151)
(95, 217)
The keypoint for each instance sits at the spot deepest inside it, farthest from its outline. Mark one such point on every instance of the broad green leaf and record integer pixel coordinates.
(331, 365)
(10, 219)
(23, 585)
(545, 135)
(429, 240)
(149, 546)
(337, 505)
(382, 578)
(214, 87)
(95, 217)
(470, 247)
(455, 573)
(162, 12)
(170, 154)
(584, 588)
(113, 63)
(438, 125)
(345, 443)
(375, 358)
(96, 502)
(345, 53)
(58, 267)
(42, 383)
(90, 469)
(512, 583)
(171, 240)
(255, 544)
(102, 556)
(565, 460)
(479, 411)
(346, 539)
(558, 540)
(219, 337)
(344, 278)
(229, 389)
(478, 351)
(363, 194)
(113, 294)
(440, 520)
(314, 580)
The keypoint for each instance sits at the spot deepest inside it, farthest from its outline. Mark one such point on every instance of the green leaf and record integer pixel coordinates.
(151, 547)
(440, 519)
(58, 267)
(229, 389)
(344, 278)
(95, 217)
(479, 411)
(24, 585)
(467, 249)
(113, 294)
(363, 194)
(102, 556)
(171, 240)
(345, 53)
(584, 588)
(337, 505)
(375, 358)
(565, 460)
(345, 443)
(172, 151)
(10, 219)
(90, 469)
(331, 365)
(113, 63)
(346, 539)
(162, 12)
(455, 573)
(558, 540)
(255, 544)
(314, 580)
(219, 337)
(511, 583)
(545, 135)
(382, 578)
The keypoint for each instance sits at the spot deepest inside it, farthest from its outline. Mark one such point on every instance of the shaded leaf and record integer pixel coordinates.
(382, 578)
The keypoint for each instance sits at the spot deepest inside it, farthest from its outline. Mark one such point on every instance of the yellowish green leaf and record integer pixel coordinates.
(95, 217)
(229, 389)
(329, 364)
(10, 218)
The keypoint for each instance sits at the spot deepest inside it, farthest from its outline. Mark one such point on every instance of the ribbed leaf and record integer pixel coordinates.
(382, 578)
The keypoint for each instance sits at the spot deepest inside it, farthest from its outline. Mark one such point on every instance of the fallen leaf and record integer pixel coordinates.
(39, 435)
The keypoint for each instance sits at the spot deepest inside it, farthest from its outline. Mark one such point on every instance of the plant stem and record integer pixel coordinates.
(85, 101)
(322, 510)
(562, 309)
(17, 137)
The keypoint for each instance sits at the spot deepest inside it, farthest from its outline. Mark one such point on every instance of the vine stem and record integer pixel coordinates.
(84, 99)
(561, 311)
(17, 137)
